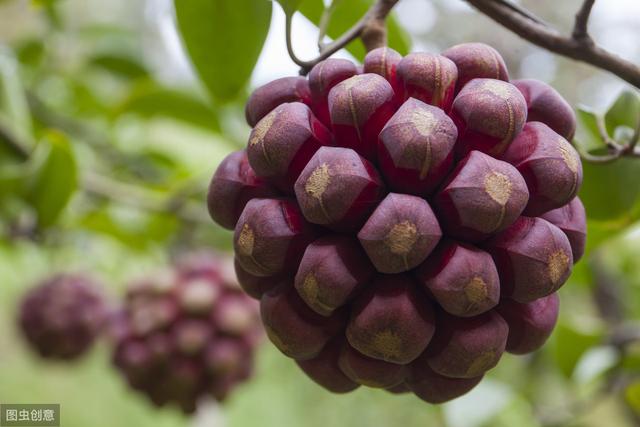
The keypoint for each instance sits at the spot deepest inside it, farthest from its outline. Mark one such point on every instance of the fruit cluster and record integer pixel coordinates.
(62, 317)
(406, 224)
(186, 333)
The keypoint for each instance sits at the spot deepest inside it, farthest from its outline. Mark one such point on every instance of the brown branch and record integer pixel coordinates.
(371, 28)
(580, 31)
(583, 50)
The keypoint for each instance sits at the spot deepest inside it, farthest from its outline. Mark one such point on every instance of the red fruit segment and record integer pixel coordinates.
(480, 197)
(531, 324)
(463, 279)
(549, 164)
(359, 108)
(384, 62)
(292, 327)
(333, 269)
(282, 143)
(489, 114)
(435, 388)
(571, 219)
(231, 187)
(322, 78)
(391, 320)
(476, 61)
(429, 78)
(533, 258)
(325, 371)
(415, 148)
(546, 105)
(267, 97)
(271, 236)
(338, 189)
(400, 233)
(255, 286)
(467, 347)
(370, 372)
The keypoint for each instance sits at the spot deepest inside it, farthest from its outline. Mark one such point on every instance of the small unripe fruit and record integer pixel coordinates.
(462, 279)
(480, 197)
(531, 324)
(550, 166)
(400, 233)
(429, 78)
(435, 388)
(476, 61)
(333, 269)
(391, 320)
(62, 317)
(415, 148)
(232, 186)
(533, 258)
(489, 114)
(324, 369)
(295, 329)
(338, 189)
(546, 105)
(271, 236)
(370, 372)
(572, 220)
(282, 143)
(359, 108)
(322, 78)
(384, 62)
(267, 97)
(467, 347)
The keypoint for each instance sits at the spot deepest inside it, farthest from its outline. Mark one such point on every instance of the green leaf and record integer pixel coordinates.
(345, 15)
(588, 138)
(625, 111)
(150, 100)
(224, 39)
(55, 178)
(15, 116)
(289, 6)
(632, 396)
(571, 343)
(121, 65)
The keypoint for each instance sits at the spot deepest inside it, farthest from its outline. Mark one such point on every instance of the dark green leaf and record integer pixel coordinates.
(625, 111)
(54, 180)
(121, 65)
(345, 15)
(224, 39)
(289, 6)
(632, 395)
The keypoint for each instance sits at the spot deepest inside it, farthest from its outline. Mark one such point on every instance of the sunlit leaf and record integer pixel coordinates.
(223, 39)
(588, 139)
(14, 110)
(625, 111)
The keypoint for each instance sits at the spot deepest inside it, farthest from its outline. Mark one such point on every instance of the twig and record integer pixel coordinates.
(550, 39)
(580, 31)
(323, 26)
(371, 28)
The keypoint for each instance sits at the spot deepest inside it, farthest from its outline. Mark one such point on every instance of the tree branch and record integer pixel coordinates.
(583, 50)
(580, 31)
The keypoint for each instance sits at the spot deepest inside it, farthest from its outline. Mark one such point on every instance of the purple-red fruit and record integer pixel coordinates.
(533, 258)
(476, 61)
(571, 219)
(549, 164)
(391, 320)
(232, 186)
(62, 317)
(467, 347)
(338, 189)
(322, 78)
(434, 388)
(489, 114)
(400, 233)
(255, 286)
(461, 278)
(333, 269)
(295, 329)
(480, 197)
(282, 143)
(415, 148)
(271, 236)
(359, 108)
(324, 369)
(370, 372)
(267, 97)
(531, 324)
(429, 78)
(384, 62)
(546, 105)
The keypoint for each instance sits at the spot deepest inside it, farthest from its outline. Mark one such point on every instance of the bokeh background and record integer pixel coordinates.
(127, 136)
